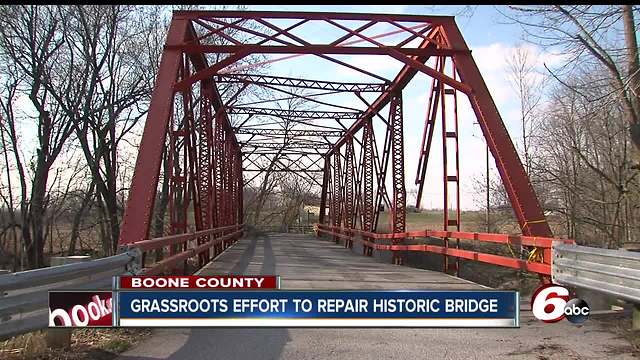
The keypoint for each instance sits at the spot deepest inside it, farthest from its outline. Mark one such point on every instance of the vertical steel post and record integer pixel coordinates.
(175, 182)
(399, 211)
(205, 177)
(348, 190)
(219, 171)
(450, 135)
(188, 163)
(240, 184)
(337, 192)
(323, 195)
(367, 184)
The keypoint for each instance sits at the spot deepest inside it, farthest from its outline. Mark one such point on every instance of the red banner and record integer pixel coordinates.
(80, 308)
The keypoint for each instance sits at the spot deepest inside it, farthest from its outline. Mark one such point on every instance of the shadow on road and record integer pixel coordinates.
(241, 266)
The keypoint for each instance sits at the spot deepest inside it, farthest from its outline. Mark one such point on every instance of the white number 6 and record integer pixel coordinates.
(542, 301)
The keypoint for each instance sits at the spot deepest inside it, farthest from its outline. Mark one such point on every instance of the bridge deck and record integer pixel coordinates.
(305, 262)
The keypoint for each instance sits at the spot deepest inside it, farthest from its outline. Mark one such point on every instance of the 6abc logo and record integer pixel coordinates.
(550, 303)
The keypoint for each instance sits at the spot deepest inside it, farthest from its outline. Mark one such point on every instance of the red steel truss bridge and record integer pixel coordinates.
(228, 108)
(343, 130)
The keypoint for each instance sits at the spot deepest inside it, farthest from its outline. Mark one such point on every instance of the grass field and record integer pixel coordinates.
(433, 220)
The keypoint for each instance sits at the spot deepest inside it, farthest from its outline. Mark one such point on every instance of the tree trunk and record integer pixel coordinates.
(114, 222)
(35, 247)
(633, 73)
(634, 93)
(102, 219)
(77, 219)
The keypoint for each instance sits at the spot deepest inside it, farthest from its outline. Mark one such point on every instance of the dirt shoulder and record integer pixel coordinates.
(99, 344)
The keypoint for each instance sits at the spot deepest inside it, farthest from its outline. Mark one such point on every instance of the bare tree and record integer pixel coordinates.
(10, 225)
(589, 35)
(104, 104)
(527, 86)
(30, 38)
(584, 158)
(296, 192)
(87, 71)
(584, 155)
(80, 213)
(523, 77)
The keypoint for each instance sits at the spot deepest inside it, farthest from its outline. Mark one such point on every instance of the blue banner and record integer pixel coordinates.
(319, 305)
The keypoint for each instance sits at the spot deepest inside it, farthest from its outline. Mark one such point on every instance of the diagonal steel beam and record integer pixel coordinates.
(401, 80)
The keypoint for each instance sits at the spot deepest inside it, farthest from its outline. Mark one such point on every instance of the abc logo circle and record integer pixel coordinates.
(577, 311)
(550, 303)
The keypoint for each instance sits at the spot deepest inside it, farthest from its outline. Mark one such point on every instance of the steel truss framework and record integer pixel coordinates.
(208, 165)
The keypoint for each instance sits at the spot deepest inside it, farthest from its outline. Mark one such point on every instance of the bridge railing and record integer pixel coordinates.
(374, 241)
(24, 295)
(181, 249)
(297, 229)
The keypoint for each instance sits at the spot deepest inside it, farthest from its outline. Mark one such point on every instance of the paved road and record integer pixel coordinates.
(308, 263)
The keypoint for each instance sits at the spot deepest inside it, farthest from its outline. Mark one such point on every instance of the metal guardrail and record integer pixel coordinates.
(23, 295)
(614, 272)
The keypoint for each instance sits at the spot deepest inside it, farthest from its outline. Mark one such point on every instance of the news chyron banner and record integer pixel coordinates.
(258, 301)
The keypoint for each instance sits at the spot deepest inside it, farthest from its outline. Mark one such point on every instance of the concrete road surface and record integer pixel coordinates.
(306, 262)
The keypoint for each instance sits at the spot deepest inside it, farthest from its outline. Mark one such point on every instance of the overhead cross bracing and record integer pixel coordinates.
(293, 114)
(301, 83)
(284, 132)
(242, 92)
(290, 145)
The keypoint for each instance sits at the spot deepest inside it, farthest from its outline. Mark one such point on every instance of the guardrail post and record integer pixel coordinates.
(635, 315)
(61, 337)
(3, 294)
(135, 266)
